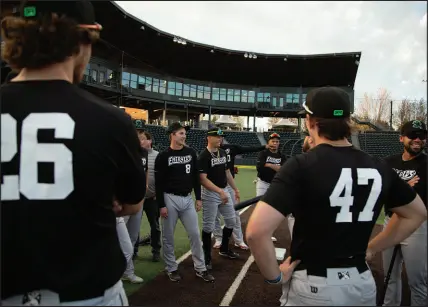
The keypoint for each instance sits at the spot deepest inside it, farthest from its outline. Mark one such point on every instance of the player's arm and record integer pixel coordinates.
(261, 160)
(276, 168)
(130, 171)
(160, 172)
(278, 202)
(196, 178)
(409, 213)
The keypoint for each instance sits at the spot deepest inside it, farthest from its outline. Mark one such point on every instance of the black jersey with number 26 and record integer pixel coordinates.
(215, 166)
(335, 195)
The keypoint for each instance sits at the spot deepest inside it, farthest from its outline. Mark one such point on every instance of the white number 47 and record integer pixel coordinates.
(346, 201)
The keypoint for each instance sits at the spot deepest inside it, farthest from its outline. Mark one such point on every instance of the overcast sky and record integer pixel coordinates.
(392, 36)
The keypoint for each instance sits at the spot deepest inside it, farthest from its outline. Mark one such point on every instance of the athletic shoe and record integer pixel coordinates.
(229, 254)
(205, 276)
(134, 279)
(242, 246)
(274, 239)
(156, 257)
(209, 265)
(217, 244)
(174, 276)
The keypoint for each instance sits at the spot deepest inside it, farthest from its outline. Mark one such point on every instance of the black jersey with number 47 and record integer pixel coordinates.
(66, 155)
(335, 195)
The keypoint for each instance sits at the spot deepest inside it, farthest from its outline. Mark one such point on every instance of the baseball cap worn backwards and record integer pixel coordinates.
(175, 127)
(327, 102)
(80, 11)
(274, 135)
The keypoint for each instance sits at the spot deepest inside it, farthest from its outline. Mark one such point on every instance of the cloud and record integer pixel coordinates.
(391, 35)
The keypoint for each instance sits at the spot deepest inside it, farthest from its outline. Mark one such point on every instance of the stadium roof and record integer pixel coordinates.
(180, 57)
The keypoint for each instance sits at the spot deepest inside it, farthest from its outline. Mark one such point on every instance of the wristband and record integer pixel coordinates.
(275, 281)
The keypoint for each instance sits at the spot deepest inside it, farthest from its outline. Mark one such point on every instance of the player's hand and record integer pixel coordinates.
(237, 197)
(369, 255)
(198, 205)
(117, 208)
(164, 212)
(224, 198)
(412, 182)
(287, 268)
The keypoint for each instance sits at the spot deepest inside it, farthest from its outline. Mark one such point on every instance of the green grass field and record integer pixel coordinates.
(145, 268)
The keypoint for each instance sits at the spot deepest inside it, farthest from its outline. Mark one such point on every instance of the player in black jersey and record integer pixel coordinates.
(336, 193)
(269, 162)
(176, 175)
(215, 176)
(411, 166)
(61, 173)
(232, 151)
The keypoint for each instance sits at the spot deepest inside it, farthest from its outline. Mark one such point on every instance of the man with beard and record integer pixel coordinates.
(63, 177)
(411, 166)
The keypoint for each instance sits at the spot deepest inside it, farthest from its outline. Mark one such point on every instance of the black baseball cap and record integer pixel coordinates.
(327, 102)
(175, 127)
(215, 131)
(414, 129)
(139, 124)
(274, 135)
(80, 11)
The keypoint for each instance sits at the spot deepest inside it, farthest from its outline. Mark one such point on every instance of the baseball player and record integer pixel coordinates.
(176, 175)
(215, 176)
(231, 152)
(133, 222)
(411, 166)
(63, 178)
(335, 192)
(150, 204)
(308, 143)
(269, 162)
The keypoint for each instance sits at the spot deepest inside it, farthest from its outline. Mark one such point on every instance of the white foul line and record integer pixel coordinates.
(227, 299)
(186, 255)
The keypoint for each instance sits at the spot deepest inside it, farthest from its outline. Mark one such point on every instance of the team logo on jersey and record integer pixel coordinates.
(179, 160)
(144, 160)
(32, 298)
(273, 160)
(406, 175)
(218, 161)
(344, 275)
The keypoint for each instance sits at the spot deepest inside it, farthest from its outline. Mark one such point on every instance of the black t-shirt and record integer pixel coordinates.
(176, 172)
(335, 195)
(266, 156)
(406, 170)
(233, 150)
(215, 166)
(65, 155)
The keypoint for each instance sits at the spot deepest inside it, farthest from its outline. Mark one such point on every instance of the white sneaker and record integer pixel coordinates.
(242, 246)
(217, 244)
(134, 279)
(274, 239)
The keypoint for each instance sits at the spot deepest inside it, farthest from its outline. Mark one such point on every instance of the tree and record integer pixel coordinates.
(409, 110)
(239, 121)
(375, 109)
(272, 121)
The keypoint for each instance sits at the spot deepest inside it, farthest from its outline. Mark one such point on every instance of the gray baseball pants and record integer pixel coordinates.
(133, 224)
(413, 253)
(308, 290)
(237, 234)
(183, 208)
(125, 245)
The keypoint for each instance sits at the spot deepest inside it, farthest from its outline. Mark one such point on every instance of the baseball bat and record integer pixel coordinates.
(388, 275)
(247, 203)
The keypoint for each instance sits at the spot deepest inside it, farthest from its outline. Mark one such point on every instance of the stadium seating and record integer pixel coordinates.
(161, 141)
(243, 138)
(380, 144)
(197, 139)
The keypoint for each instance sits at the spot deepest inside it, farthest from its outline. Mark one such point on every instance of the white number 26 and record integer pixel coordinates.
(32, 153)
(346, 201)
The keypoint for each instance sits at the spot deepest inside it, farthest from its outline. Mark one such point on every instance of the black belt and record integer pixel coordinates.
(180, 193)
(321, 270)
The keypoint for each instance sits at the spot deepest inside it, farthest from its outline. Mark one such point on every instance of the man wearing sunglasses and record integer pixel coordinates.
(411, 166)
(336, 193)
